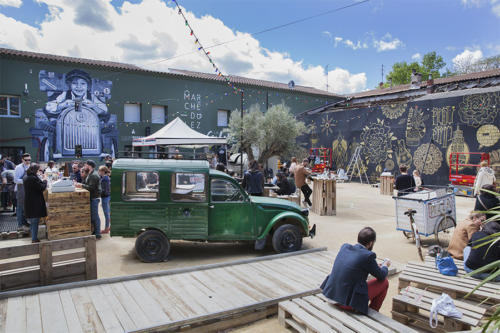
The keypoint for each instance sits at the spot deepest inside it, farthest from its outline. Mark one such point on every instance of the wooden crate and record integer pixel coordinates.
(52, 263)
(68, 214)
(324, 197)
(316, 313)
(386, 185)
(412, 307)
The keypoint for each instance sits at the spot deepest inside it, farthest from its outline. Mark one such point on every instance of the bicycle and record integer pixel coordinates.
(446, 226)
(415, 235)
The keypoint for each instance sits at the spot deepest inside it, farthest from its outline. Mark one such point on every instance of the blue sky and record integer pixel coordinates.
(354, 42)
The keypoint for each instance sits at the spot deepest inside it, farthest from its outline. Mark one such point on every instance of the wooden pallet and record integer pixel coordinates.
(412, 307)
(316, 313)
(426, 276)
(48, 263)
(68, 214)
(386, 185)
(324, 196)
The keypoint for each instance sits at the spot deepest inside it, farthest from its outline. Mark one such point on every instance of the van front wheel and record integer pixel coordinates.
(287, 238)
(152, 246)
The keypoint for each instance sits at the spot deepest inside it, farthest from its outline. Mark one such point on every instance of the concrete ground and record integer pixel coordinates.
(358, 205)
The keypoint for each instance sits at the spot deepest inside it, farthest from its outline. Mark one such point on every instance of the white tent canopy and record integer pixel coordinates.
(177, 133)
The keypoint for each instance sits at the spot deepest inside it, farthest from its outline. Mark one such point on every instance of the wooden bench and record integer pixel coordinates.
(46, 263)
(426, 276)
(412, 307)
(316, 313)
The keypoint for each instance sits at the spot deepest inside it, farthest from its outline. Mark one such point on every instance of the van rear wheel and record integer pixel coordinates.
(152, 246)
(287, 238)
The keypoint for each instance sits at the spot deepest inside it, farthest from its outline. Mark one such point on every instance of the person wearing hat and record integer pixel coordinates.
(80, 85)
(93, 184)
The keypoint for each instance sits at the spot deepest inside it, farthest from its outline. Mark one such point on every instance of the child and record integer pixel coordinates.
(418, 180)
(105, 195)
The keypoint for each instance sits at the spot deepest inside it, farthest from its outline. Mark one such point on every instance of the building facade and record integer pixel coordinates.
(51, 104)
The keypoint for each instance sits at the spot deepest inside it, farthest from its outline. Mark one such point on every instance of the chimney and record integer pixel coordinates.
(430, 85)
(390, 82)
(381, 85)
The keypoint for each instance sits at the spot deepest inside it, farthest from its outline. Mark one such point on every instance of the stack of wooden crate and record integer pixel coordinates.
(386, 185)
(324, 196)
(68, 214)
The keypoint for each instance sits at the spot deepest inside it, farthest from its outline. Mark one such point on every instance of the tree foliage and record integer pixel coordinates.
(431, 64)
(467, 65)
(272, 133)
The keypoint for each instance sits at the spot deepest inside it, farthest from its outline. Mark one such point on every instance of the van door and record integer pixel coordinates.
(230, 212)
(187, 210)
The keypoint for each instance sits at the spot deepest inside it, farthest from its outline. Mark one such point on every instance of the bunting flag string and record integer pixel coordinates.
(236, 90)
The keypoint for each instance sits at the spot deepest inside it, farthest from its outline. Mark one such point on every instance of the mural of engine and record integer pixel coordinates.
(76, 113)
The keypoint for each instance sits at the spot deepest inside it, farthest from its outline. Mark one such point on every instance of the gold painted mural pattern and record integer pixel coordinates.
(458, 145)
(394, 111)
(477, 110)
(377, 142)
(415, 126)
(327, 125)
(434, 158)
(442, 122)
(487, 135)
(403, 155)
(339, 152)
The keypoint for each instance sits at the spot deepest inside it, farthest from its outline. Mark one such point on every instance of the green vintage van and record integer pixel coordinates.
(162, 200)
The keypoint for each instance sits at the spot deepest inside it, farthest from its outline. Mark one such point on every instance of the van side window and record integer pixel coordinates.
(140, 186)
(188, 187)
(224, 190)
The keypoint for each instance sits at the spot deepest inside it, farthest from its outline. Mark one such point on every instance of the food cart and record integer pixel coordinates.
(435, 213)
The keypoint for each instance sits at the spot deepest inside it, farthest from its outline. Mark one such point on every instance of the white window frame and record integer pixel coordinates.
(8, 115)
(124, 113)
(227, 117)
(164, 107)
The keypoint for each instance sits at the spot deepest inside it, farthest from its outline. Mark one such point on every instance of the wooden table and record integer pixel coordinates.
(68, 214)
(324, 196)
(268, 190)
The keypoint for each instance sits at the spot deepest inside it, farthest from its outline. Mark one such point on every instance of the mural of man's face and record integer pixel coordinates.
(79, 87)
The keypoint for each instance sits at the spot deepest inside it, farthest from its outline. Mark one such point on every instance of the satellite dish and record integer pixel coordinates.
(291, 84)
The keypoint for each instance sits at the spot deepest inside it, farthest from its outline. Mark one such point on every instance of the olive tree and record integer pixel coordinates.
(270, 133)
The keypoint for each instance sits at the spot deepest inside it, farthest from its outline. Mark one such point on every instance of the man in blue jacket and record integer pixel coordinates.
(347, 284)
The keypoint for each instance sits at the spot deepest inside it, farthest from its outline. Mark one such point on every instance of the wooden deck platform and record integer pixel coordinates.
(203, 298)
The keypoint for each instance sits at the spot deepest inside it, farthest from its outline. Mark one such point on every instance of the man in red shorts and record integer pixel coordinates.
(347, 284)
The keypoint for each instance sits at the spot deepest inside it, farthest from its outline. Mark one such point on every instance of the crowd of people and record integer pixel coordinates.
(23, 187)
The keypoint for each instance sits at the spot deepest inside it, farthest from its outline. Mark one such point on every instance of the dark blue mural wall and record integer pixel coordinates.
(401, 133)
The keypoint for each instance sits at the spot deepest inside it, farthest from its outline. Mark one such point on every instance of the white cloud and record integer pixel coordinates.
(11, 3)
(148, 32)
(349, 43)
(417, 56)
(387, 43)
(463, 61)
(327, 34)
(341, 80)
(495, 5)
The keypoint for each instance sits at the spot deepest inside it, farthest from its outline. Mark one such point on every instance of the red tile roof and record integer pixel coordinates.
(175, 72)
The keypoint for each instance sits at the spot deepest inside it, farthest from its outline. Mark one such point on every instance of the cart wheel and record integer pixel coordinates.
(444, 230)
(408, 234)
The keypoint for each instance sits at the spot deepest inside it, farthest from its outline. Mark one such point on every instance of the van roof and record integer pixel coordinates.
(142, 163)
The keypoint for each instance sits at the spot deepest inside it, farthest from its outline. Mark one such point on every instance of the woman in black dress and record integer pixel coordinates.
(34, 202)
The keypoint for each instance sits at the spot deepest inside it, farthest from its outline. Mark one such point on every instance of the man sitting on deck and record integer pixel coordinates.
(347, 284)
(463, 232)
